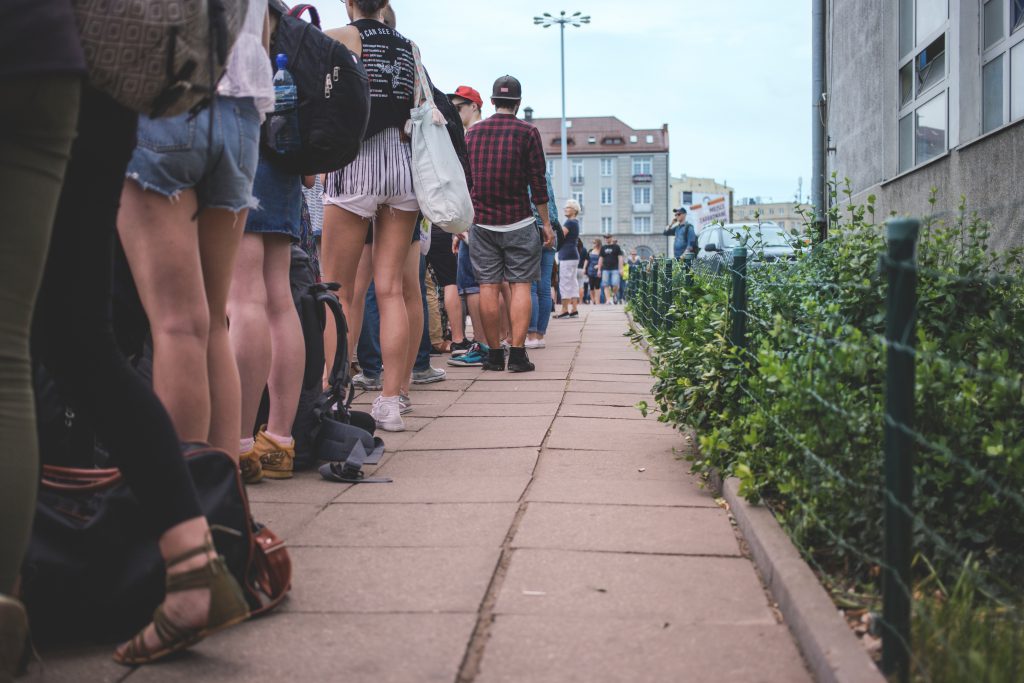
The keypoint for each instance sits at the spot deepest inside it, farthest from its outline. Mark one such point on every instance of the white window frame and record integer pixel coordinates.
(643, 225)
(1010, 45)
(640, 162)
(607, 196)
(578, 196)
(576, 171)
(638, 194)
(607, 225)
(551, 167)
(607, 167)
(942, 88)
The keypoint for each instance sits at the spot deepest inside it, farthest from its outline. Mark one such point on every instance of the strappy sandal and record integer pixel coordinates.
(227, 608)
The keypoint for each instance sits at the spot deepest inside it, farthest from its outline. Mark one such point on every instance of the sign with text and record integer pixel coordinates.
(713, 208)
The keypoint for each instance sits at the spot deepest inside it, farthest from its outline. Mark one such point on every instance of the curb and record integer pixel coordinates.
(831, 651)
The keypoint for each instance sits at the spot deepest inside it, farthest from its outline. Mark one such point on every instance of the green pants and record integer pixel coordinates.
(38, 115)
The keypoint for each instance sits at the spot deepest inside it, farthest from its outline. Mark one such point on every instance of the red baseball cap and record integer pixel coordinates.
(467, 93)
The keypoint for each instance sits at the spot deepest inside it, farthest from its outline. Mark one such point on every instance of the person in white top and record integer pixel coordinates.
(186, 195)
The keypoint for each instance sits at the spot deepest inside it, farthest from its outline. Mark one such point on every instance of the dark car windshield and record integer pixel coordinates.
(763, 236)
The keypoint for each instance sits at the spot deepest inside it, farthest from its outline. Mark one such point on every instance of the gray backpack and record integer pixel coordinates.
(158, 57)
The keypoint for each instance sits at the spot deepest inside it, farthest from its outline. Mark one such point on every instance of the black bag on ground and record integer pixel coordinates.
(93, 569)
(334, 94)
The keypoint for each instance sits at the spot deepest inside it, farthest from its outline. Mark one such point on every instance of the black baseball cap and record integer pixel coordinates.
(507, 88)
(680, 210)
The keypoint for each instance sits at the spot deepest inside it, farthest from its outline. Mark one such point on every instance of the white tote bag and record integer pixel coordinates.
(437, 175)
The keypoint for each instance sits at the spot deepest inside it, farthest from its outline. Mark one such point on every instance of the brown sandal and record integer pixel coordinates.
(227, 608)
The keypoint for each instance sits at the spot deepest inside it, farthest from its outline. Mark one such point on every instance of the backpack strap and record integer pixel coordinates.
(299, 10)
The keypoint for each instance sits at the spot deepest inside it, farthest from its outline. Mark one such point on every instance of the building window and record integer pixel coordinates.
(607, 167)
(577, 171)
(632, 138)
(1002, 71)
(650, 139)
(606, 196)
(551, 167)
(642, 196)
(687, 198)
(606, 225)
(592, 140)
(641, 225)
(642, 166)
(578, 196)
(923, 121)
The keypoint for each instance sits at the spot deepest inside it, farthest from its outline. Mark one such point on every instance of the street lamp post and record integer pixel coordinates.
(563, 19)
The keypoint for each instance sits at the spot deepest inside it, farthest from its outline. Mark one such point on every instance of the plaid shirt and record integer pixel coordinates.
(507, 158)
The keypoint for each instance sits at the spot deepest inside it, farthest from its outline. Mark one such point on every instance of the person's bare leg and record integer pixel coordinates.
(220, 233)
(364, 276)
(522, 309)
(391, 238)
(414, 311)
(161, 242)
(475, 317)
(490, 314)
(287, 347)
(506, 312)
(249, 331)
(344, 235)
(453, 306)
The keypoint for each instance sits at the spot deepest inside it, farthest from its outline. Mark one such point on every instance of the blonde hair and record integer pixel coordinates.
(574, 205)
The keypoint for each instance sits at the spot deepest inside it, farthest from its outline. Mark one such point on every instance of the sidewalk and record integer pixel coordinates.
(538, 530)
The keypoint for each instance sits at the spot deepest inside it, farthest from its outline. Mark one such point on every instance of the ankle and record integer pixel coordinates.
(280, 439)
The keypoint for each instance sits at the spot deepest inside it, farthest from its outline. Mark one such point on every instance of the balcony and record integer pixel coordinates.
(643, 178)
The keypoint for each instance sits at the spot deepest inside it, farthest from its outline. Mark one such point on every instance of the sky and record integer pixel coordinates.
(731, 78)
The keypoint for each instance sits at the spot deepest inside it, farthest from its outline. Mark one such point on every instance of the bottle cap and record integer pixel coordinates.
(282, 61)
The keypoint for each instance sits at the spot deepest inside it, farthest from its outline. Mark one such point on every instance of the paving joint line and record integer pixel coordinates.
(469, 669)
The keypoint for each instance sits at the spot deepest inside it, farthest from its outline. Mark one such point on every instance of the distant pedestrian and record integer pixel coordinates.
(567, 261)
(608, 267)
(507, 156)
(685, 234)
(594, 273)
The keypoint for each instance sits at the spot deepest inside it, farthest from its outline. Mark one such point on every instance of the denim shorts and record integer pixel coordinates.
(611, 278)
(175, 154)
(280, 203)
(465, 278)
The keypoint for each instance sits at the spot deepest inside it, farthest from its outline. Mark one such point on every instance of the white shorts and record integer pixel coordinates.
(567, 282)
(380, 176)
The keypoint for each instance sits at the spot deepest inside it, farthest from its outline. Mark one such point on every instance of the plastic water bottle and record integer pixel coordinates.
(284, 122)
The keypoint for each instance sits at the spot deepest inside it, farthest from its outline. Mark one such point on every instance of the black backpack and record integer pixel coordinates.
(334, 94)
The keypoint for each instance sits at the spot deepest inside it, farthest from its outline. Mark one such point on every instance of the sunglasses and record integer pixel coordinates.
(460, 105)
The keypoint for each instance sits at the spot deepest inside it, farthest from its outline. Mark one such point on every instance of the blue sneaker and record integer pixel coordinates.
(474, 358)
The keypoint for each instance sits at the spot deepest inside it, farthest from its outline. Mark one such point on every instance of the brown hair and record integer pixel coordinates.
(370, 6)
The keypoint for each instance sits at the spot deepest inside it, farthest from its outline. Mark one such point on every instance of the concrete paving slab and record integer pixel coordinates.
(566, 650)
(76, 664)
(613, 378)
(388, 580)
(538, 375)
(626, 466)
(487, 462)
(501, 410)
(613, 435)
(677, 589)
(323, 648)
(633, 529)
(410, 526)
(619, 368)
(606, 412)
(514, 383)
(626, 387)
(446, 385)
(305, 487)
(286, 520)
(512, 397)
(480, 432)
(462, 489)
(594, 398)
(613, 491)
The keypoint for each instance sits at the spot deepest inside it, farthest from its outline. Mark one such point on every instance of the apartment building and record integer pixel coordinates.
(619, 174)
(785, 214)
(929, 93)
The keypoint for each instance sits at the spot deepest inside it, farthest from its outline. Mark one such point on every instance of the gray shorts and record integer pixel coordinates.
(505, 256)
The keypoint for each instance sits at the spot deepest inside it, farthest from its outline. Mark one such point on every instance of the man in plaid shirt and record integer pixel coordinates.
(508, 164)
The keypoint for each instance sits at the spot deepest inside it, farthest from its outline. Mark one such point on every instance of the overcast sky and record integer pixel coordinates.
(731, 78)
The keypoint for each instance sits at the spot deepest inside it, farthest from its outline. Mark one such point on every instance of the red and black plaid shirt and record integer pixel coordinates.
(507, 157)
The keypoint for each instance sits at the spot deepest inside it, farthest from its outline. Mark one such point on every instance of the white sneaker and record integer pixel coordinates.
(406, 403)
(387, 412)
(535, 344)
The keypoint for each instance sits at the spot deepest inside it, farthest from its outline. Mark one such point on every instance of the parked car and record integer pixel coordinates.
(766, 243)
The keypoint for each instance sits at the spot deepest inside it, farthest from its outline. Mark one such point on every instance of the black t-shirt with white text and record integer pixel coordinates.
(610, 255)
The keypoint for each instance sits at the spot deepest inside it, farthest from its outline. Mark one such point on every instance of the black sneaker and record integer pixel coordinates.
(459, 348)
(574, 314)
(518, 361)
(561, 315)
(495, 361)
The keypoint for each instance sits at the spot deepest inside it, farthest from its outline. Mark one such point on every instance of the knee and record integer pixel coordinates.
(190, 325)
(391, 290)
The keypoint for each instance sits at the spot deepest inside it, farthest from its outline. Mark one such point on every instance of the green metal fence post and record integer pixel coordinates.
(738, 334)
(667, 292)
(688, 267)
(655, 312)
(899, 473)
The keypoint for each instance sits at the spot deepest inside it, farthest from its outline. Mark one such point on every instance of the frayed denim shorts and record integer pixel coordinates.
(279, 198)
(178, 153)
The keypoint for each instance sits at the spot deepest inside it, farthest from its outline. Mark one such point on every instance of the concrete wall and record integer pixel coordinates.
(862, 125)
